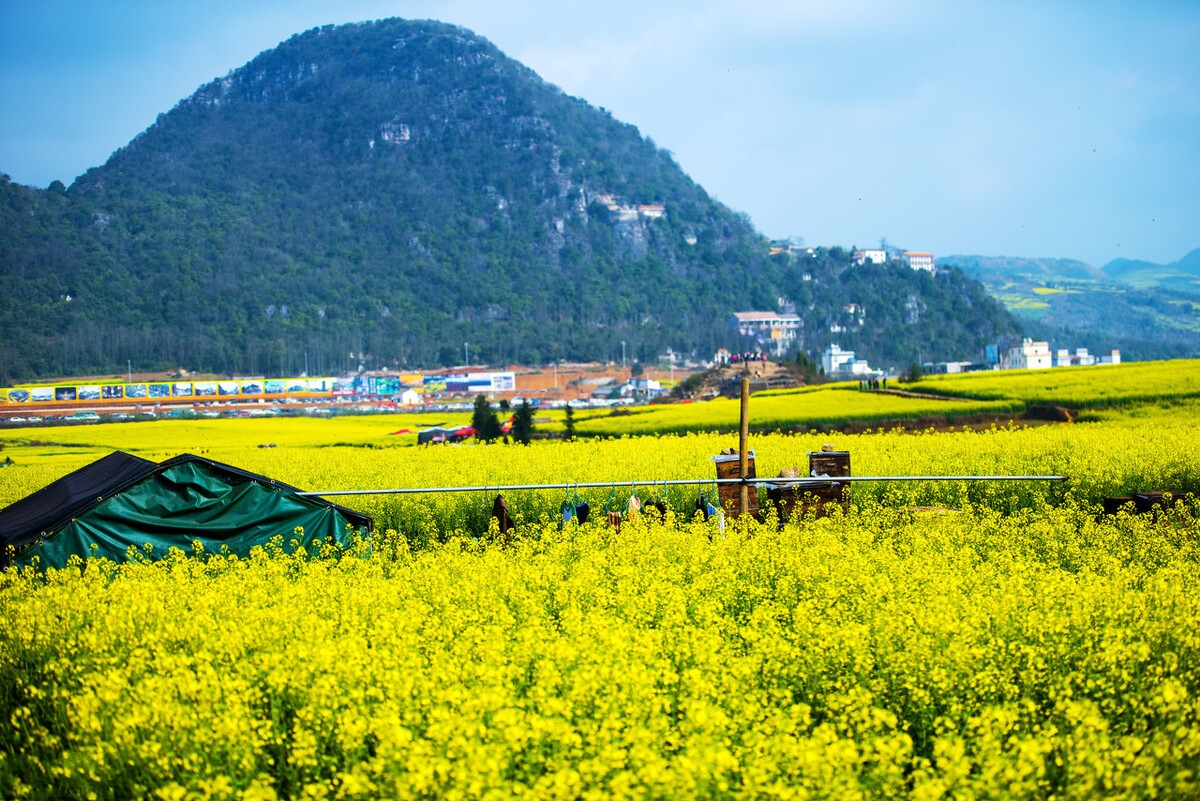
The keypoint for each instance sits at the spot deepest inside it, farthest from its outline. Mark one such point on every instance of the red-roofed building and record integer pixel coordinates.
(919, 260)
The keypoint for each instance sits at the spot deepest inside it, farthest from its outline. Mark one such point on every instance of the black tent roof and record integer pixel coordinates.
(29, 519)
(26, 520)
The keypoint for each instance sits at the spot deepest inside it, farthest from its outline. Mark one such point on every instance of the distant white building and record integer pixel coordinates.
(919, 260)
(778, 330)
(645, 387)
(1111, 357)
(875, 256)
(411, 397)
(1029, 355)
(1080, 358)
(836, 360)
(834, 357)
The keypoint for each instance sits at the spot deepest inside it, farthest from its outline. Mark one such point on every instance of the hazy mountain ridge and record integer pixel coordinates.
(1182, 275)
(1146, 310)
(379, 195)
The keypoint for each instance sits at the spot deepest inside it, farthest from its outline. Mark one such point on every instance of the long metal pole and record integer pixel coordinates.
(744, 447)
(674, 482)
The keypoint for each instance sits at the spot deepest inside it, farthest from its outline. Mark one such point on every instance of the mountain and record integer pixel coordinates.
(1181, 276)
(388, 193)
(1073, 304)
(1189, 263)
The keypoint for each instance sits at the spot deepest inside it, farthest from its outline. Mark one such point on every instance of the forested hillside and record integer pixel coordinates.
(379, 195)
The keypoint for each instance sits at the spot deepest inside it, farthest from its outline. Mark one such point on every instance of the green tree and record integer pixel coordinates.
(522, 427)
(569, 423)
(484, 420)
(809, 367)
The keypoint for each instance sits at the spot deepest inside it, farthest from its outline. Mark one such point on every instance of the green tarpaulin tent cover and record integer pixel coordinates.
(186, 500)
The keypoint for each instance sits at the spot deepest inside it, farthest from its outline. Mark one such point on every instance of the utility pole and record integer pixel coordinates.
(129, 364)
(466, 355)
(556, 373)
(744, 450)
(622, 353)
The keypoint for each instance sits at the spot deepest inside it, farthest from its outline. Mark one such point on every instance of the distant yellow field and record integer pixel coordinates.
(1076, 387)
(787, 409)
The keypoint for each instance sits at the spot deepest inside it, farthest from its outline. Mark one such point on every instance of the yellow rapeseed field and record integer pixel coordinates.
(1076, 387)
(939, 640)
(883, 654)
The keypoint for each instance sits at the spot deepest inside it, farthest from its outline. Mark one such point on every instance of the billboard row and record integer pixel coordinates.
(249, 388)
(255, 388)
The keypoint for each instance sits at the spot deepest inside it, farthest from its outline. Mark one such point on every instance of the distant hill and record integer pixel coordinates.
(389, 194)
(1181, 276)
(1189, 263)
(1145, 310)
(1000, 268)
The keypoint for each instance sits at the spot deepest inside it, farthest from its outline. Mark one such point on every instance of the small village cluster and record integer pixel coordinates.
(777, 332)
(1029, 355)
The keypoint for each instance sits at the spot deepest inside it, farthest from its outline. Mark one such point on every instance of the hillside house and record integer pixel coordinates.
(835, 360)
(919, 260)
(1080, 358)
(779, 330)
(1029, 355)
(874, 255)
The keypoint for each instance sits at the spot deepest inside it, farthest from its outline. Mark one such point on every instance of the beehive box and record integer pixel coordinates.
(729, 466)
(815, 499)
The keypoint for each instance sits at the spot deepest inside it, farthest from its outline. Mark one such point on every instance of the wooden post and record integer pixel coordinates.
(744, 446)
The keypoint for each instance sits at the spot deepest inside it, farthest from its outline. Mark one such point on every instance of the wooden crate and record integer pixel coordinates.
(817, 499)
(1143, 502)
(729, 466)
(812, 498)
(1156, 500)
(829, 463)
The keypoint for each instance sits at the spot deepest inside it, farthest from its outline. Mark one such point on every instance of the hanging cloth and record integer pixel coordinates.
(582, 509)
(633, 507)
(500, 512)
(659, 504)
(567, 510)
(612, 512)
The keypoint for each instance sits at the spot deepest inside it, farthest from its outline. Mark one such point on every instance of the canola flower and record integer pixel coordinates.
(884, 654)
(939, 640)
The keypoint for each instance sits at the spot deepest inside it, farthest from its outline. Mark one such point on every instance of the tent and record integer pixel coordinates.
(440, 434)
(121, 501)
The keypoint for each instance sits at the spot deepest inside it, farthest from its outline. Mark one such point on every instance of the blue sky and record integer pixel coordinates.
(1040, 129)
